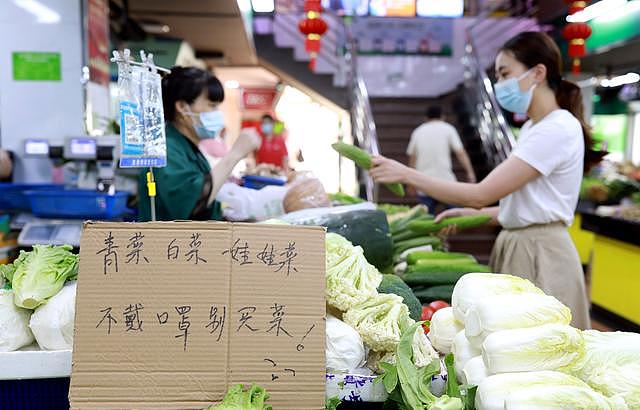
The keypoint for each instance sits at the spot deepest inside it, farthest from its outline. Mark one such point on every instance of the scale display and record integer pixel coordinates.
(82, 147)
(36, 147)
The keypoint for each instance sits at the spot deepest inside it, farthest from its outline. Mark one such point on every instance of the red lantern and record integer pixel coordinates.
(575, 6)
(313, 27)
(576, 34)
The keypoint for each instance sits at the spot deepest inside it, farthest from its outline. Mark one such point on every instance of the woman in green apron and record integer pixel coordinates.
(187, 186)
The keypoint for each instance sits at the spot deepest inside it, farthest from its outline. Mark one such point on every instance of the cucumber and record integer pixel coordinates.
(413, 257)
(400, 221)
(441, 292)
(462, 222)
(439, 262)
(432, 278)
(405, 234)
(363, 160)
(444, 266)
(402, 246)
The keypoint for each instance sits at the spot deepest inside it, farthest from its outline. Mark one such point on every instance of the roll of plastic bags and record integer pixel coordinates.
(475, 287)
(52, 323)
(513, 312)
(546, 347)
(14, 324)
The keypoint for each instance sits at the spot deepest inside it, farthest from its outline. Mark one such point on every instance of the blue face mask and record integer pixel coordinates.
(211, 123)
(267, 128)
(511, 98)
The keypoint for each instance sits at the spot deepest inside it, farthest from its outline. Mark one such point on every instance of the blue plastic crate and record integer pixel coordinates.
(13, 197)
(258, 182)
(77, 204)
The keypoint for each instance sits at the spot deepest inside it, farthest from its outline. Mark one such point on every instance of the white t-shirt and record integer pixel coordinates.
(432, 143)
(555, 147)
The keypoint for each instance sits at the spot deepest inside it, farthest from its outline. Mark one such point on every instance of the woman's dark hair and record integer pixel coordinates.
(533, 48)
(186, 84)
(434, 112)
(267, 117)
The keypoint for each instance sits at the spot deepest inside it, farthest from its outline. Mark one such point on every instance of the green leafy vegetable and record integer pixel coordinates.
(332, 403)
(453, 389)
(238, 399)
(351, 280)
(41, 273)
(411, 390)
(380, 321)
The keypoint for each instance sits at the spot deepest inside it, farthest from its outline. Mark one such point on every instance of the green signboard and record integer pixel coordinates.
(615, 27)
(36, 66)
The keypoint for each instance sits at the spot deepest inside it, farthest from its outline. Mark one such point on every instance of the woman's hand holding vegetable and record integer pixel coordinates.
(385, 170)
(454, 212)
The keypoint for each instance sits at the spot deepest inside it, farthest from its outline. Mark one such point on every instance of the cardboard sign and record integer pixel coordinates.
(169, 315)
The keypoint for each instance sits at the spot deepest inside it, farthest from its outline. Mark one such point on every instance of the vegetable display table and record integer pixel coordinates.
(615, 276)
(32, 379)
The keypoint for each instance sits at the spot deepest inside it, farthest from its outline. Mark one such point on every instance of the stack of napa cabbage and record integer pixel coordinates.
(515, 343)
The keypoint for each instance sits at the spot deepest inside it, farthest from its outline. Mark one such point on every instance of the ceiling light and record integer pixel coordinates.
(43, 13)
(151, 27)
(231, 84)
(262, 6)
(244, 6)
(628, 78)
(598, 9)
(628, 8)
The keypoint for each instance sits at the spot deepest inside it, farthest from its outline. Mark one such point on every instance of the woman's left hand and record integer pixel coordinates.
(388, 171)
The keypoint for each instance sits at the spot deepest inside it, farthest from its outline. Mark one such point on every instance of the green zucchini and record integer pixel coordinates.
(445, 266)
(432, 278)
(441, 292)
(363, 160)
(461, 222)
(393, 284)
(413, 257)
(402, 246)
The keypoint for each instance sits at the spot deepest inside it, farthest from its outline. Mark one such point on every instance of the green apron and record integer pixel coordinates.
(182, 187)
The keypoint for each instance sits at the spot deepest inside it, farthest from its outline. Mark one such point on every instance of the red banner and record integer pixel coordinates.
(258, 98)
(98, 40)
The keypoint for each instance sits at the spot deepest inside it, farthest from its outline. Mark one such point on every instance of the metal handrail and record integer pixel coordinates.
(363, 127)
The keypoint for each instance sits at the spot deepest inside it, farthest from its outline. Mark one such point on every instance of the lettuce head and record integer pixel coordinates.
(40, 274)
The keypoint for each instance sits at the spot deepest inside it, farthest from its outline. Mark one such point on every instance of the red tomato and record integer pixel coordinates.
(438, 304)
(427, 312)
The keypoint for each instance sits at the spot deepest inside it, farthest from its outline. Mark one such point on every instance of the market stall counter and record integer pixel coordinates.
(615, 275)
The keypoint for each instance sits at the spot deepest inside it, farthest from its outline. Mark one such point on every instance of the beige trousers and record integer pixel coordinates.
(546, 256)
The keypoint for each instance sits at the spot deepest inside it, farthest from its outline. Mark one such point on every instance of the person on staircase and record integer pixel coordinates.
(430, 151)
(537, 186)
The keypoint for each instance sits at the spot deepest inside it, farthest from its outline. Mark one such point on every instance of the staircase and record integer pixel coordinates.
(384, 125)
(282, 48)
(396, 118)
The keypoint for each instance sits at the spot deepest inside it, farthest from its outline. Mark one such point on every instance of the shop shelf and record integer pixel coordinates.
(77, 204)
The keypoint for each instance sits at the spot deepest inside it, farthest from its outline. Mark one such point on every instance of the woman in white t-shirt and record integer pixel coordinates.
(538, 185)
